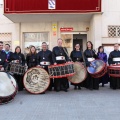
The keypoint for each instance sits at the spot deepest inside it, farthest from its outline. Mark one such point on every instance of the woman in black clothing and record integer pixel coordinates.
(31, 58)
(90, 55)
(18, 58)
(76, 56)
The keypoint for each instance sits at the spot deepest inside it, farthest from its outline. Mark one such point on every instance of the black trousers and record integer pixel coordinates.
(91, 83)
(61, 83)
(114, 83)
(19, 80)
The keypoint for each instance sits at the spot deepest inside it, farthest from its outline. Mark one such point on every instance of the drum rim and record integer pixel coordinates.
(74, 73)
(100, 70)
(13, 94)
(24, 83)
(62, 64)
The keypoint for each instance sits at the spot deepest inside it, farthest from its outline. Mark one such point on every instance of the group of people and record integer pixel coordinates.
(59, 55)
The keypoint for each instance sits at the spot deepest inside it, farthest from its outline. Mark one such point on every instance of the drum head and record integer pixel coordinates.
(97, 66)
(36, 80)
(80, 73)
(7, 85)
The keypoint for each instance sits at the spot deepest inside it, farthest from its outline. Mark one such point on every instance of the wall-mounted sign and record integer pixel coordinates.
(51, 4)
(68, 29)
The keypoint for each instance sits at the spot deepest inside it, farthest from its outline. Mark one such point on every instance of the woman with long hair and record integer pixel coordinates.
(90, 55)
(31, 57)
(103, 56)
(18, 58)
(76, 56)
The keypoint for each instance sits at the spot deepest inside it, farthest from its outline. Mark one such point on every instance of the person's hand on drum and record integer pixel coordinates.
(68, 62)
(55, 63)
(38, 66)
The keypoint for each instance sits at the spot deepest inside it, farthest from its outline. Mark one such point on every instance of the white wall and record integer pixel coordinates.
(110, 16)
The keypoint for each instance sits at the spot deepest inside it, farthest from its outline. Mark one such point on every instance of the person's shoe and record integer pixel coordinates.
(75, 88)
(79, 88)
(65, 90)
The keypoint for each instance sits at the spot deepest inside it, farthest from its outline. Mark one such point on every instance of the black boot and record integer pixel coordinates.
(75, 88)
(79, 88)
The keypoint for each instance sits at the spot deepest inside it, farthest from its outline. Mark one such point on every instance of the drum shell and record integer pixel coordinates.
(61, 70)
(114, 70)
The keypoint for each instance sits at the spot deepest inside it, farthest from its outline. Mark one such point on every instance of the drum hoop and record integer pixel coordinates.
(33, 92)
(57, 65)
(74, 73)
(100, 70)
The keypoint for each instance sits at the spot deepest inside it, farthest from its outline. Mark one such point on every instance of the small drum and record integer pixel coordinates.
(98, 69)
(36, 80)
(114, 70)
(61, 70)
(16, 68)
(80, 73)
(8, 88)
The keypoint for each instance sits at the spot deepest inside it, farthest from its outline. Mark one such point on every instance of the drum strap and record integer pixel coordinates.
(64, 49)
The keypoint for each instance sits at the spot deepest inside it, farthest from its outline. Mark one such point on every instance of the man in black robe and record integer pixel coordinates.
(44, 59)
(3, 58)
(114, 58)
(59, 56)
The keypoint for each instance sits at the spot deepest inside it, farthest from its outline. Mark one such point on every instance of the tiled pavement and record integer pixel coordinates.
(73, 105)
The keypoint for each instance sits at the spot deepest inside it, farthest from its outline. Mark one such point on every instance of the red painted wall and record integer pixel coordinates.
(41, 6)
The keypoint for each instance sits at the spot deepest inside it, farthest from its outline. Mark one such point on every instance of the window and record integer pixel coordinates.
(113, 31)
(6, 38)
(35, 39)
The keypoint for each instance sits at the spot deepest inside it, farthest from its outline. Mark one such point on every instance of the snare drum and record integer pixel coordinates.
(16, 68)
(36, 80)
(8, 88)
(61, 70)
(98, 68)
(80, 73)
(114, 70)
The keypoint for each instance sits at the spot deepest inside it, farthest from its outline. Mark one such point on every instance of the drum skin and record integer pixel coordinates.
(98, 68)
(80, 73)
(36, 80)
(8, 87)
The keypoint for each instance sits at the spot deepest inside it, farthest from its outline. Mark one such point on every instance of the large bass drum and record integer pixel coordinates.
(97, 69)
(36, 80)
(8, 88)
(80, 73)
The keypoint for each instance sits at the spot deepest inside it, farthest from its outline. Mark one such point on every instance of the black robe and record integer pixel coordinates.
(45, 56)
(114, 82)
(90, 82)
(60, 83)
(19, 78)
(3, 59)
(31, 60)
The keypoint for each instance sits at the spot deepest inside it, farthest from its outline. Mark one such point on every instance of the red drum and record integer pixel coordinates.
(98, 68)
(114, 70)
(36, 80)
(61, 70)
(8, 88)
(80, 73)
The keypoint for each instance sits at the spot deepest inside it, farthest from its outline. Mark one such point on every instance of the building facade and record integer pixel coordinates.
(75, 21)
